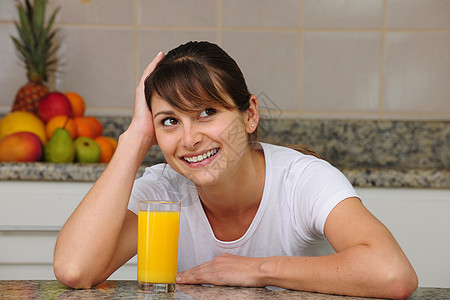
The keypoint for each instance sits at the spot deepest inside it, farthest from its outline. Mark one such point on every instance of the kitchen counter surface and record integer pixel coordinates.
(43, 289)
(359, 177)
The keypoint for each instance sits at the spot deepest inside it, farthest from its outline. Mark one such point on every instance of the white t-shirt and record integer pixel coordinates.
(299, 193)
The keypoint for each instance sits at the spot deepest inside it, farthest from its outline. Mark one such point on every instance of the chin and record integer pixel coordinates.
(204, 178)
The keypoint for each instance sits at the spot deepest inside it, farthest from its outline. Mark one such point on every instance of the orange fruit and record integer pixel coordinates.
(96, 124)
(113, 141)
(106, 149)
(77, 102)
(61, 122)
(84, 127)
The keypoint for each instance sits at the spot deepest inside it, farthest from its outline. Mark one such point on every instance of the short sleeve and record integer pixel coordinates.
(320, 187)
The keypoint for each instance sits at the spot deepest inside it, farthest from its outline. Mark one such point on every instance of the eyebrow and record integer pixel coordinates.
(164, 112)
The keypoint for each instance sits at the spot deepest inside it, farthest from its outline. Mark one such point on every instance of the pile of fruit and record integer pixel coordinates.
(45, 125)
(59, 132)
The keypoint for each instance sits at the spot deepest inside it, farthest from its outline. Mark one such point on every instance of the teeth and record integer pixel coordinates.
(201, 156)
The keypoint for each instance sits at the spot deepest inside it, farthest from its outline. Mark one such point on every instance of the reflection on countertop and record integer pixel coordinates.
(118, 289)
(370, 153)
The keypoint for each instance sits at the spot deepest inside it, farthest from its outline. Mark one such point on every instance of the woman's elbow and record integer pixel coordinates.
(71, 276)
(401, 283)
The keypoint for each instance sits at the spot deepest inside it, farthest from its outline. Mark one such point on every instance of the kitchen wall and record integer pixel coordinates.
(359, 59)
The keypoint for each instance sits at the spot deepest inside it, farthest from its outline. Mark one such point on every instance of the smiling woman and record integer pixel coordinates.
(253, 214)
(198, 144)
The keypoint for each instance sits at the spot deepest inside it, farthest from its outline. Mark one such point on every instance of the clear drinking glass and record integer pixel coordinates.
(158, 229)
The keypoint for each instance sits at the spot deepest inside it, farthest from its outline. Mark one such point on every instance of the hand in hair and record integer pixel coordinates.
(142, 120)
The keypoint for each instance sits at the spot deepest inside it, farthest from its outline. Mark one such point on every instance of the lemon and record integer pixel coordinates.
(22, 121)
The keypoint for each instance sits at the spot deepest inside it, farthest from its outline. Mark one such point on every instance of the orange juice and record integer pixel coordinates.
(158, 246)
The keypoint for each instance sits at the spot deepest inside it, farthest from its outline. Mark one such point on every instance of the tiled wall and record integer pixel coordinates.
(369, 59)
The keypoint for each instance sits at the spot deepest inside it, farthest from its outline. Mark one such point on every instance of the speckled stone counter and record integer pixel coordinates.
(413, 154)
(359, 177)
(42, 289)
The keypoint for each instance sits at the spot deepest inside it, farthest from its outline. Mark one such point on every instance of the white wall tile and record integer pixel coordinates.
(261, 13)
(342, 14)
(8, 11)
(12, 70)
(98, 64)
(153, 41)
(417, 72)
(418, 14)
(270, 63)
(341, 71)
(111, 12)
(178, 13)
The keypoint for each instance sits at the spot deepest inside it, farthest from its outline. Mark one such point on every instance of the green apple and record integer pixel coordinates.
(87, 150)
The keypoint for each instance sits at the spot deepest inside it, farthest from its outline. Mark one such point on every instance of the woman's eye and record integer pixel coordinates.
(207, 112)
(169, 121)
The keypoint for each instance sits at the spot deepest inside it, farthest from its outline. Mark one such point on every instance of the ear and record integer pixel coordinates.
(252, 115)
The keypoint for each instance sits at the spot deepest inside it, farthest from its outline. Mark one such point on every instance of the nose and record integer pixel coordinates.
(191, 135)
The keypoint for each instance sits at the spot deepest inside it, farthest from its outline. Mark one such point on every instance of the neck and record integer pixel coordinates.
(240, 192)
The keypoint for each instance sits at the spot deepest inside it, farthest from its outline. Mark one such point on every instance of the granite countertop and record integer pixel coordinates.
(359, 177)
(45, 289)
(412, 154)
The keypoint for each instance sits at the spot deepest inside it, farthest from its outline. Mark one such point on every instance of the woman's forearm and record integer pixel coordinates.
(358, 271)
(88, 241)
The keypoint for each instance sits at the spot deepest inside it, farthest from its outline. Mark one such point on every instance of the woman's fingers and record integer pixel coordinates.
(142, 120)
(151, 66)
(139, 96)
(225, 269)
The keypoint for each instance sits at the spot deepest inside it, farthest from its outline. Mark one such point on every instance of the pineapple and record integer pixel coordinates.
(36, 50)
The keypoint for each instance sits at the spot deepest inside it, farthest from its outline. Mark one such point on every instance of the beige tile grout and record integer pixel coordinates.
(382, 60)
(219, 22)
(300, 60)
(367, 113)
(257, 29)
(136, 43)
(384, 29)
(374, 113)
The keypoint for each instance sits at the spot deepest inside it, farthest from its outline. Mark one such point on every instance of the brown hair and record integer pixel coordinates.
(198, 75)
(306, 150)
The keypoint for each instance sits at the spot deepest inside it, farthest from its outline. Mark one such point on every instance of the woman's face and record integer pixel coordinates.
(203, 146)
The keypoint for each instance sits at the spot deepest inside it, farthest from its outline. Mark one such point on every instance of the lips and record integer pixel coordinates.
(200, 157)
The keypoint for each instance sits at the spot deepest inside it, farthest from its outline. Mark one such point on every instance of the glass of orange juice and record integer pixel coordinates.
(157, 254)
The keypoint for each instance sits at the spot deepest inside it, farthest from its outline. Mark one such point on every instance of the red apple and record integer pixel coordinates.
(54, 104)
(21, 146)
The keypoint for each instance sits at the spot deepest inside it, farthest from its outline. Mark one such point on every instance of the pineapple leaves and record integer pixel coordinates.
(29, 9)
(24, 54)
(38, 16)
(35, 38)
(46, 31)
(47, 36)
(25, 25)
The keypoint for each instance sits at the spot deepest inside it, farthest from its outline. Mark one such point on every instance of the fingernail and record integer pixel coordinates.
(159, 53)
(178, 278)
